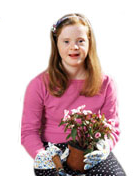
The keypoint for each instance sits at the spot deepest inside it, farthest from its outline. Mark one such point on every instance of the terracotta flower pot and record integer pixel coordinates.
(75, 159)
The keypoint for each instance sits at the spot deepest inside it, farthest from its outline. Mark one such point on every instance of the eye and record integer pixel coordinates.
(81, 41)
(66, 41)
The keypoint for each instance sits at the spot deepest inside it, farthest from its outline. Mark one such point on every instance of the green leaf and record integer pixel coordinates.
(90, 131)
(78, 116)
(61, 123)
(66, 128)
(102, 135)
(103, 117)
(68, 136)
(88, 151)
(73, 133)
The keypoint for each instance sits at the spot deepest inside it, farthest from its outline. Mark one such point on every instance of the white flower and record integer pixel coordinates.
(85, 112)
(75, 111)
(81, 107)
(78, 110)
(87, 122)
(107, 125)
(71, 126)
(66, 112)
(66, 116)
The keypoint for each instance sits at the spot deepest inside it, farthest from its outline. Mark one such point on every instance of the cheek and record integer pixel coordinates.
(62, 51)
(59, 48)
(85, 49)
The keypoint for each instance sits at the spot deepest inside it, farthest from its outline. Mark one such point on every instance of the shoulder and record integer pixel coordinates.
(108, 84)
(39, 79)
(106, 79)
(37, 84)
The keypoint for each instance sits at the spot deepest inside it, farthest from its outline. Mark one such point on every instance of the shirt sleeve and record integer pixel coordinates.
(110, 109)
(31, 117)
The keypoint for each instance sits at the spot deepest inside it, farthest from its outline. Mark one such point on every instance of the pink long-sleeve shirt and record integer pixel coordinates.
(42, 110)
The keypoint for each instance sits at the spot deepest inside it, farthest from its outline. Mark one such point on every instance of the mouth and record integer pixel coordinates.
(74, 55)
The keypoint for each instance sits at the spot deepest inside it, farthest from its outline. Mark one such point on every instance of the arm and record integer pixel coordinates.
(31, 123)
(31, 117)
(110, 109)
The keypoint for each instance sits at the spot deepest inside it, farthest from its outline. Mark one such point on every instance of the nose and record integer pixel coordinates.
(74, 46)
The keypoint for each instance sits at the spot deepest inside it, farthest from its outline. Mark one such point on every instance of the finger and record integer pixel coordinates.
(65, 154)
(98, 159)
(87, 166)
(95, 157)
(96, 153)
(87, 160)
(91, 164)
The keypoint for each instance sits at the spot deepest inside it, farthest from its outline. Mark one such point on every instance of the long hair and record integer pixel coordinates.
(58, 76)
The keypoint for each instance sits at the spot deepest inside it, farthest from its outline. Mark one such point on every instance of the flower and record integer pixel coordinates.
(86, 128)
(78, 110)
(87, 112)
(99, 115)
(93, 121)
(53, 28)
(111, 122)
(75, 111)
(81, 107)
(66, 116)
(97, 135)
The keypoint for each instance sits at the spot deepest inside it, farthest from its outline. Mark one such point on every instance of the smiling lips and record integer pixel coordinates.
(74, 55)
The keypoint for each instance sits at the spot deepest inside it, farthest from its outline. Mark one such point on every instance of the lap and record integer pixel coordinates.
(108, 167)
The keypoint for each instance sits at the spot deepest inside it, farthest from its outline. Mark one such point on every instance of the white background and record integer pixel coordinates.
(24, 52)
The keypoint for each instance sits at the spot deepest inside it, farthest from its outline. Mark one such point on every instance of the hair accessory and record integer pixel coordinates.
(53, 29)
(55, 25)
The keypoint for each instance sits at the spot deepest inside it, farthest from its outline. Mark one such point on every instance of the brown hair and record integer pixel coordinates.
(58, 77)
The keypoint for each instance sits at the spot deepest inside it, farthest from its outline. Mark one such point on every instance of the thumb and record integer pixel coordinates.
(87, 166)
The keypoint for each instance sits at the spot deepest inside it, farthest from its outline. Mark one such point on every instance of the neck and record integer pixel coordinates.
(77, 73)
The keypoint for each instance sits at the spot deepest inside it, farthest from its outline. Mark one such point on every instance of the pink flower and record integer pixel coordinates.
(99, 116)
(106, 124)
(79, 121)
(93, 121)
(111, 122)
(97, 135)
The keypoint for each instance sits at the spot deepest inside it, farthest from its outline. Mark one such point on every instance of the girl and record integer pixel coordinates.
(73, 78)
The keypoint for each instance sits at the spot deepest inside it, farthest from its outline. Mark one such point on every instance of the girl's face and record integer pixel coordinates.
(73, 45)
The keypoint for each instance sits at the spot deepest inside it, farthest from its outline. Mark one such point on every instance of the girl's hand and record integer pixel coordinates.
(43, 159)
(95, 157)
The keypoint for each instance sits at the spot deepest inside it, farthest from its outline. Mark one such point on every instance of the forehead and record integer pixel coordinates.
(77, 30)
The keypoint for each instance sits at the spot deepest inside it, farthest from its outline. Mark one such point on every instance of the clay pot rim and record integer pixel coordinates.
(75, 146)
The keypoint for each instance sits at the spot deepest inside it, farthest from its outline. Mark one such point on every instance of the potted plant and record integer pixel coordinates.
(84, 130)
